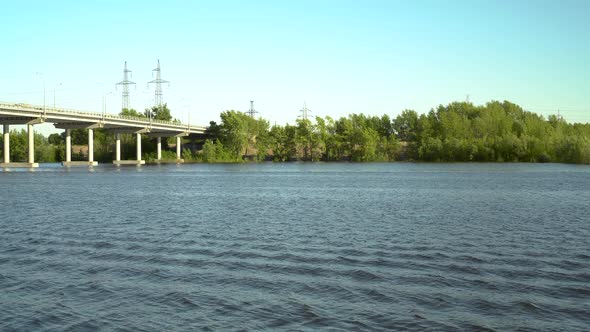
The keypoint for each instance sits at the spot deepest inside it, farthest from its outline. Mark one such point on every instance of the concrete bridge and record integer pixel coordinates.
(30, 115)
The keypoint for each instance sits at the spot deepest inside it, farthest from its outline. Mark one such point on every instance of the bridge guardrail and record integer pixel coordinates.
(40, 109)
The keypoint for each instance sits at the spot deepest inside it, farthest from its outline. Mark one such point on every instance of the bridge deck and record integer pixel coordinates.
(70, 119)
(24, 114)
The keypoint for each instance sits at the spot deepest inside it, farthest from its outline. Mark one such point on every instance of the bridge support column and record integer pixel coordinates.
(159, 148)
(178, 150)
(68, 145)
(90, 145)
(31, 159)
(138, 161)
(117, 147)
(138, 136)
(68, 162)
(31, 149)
(6, 144)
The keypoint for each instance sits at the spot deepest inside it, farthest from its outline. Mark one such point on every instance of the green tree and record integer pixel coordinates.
(132, 113)
(243, 135)
(161, 112)
(214, 152)
(18, 145)
(214, 130)
(55, 139)
(406, 125)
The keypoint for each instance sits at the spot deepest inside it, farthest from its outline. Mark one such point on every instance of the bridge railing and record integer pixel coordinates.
(40, 109)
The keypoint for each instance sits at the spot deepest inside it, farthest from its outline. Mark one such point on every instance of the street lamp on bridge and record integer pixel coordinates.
(55, 87)
(42, 77)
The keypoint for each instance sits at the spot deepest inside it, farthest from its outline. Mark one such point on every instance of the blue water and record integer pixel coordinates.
(296, 247)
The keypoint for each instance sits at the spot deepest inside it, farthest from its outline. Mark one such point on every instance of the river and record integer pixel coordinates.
(296, 246)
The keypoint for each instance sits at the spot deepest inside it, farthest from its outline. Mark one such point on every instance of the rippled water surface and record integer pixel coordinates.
(296, 247)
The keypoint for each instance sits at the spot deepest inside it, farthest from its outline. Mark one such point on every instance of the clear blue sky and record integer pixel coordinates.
(340, 57)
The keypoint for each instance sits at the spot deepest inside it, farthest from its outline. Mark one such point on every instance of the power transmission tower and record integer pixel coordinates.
(251, 112)
(158, 81)
(125, 83)
(304, 112)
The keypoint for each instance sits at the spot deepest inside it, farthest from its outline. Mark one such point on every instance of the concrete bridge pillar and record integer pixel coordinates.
(138, 161)
(68, 145)
(159, 148)
(90, 145)
(31, 159)
(117, 147)
(138, 135)
(6, 143)
(68, 162)
(30, 163)
(179, 150)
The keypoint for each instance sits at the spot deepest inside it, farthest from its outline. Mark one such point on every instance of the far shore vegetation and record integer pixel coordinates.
(457, 132)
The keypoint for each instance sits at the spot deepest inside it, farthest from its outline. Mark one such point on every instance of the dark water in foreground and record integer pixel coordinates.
(296, 247)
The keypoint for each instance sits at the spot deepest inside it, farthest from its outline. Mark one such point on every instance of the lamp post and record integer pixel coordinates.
(188, 113)
(147, 101)
(104, 103)
(54, 87)
(150, 115)
(103, 109)
(42, 77)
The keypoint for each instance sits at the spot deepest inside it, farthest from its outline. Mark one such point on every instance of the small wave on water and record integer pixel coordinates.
(249, 250)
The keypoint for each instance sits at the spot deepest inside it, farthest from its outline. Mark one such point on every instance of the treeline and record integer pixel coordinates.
(357, 138)
(497, 131)
(494, 132)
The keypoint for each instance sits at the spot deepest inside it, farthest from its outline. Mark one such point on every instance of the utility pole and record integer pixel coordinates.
(125, 83)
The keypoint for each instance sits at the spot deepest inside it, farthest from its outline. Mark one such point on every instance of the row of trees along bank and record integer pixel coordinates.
(494, 132)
